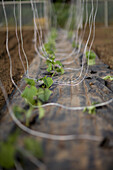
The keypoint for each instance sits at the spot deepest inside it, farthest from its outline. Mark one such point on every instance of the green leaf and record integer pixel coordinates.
(30, 82)
(47, 81)
(49, 69)
(90, 55)
(108, 77)
(92, 110)
(29, 93)
(85, 109)
(33, 147)
(91, 62)
(50, 60)
(111, 78)
(44, 94)
(18, 111)
(58, 63)
(7, 155)
(41, 110)
(50, 47)
(60, 70)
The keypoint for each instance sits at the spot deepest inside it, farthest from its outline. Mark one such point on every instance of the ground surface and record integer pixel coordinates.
(103, 46)
(17, 68)
(95, 152)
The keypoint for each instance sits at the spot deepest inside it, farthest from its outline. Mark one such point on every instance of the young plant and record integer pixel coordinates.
(91, 110)
(8, 151)
(50, 47)
(33, 147)
(47, 82)
(22, 114)
(54, 66)
(108, 78)
(34, 96)
(90, 57)
(10, 148)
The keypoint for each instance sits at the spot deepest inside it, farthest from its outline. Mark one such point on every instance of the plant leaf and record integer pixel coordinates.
(34, 147)
(18, 111)
(90, 55)
(108, 77)
(44, 94)
(29, 93)
(59, 63)
(92, 110)
(91, 62)
(85, 109)
(49, 69)
(47, 81)
(7, 155)
(30, 82)
(60, 70)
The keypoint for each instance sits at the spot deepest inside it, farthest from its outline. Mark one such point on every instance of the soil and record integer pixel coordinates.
(17, 68)
(102, 46)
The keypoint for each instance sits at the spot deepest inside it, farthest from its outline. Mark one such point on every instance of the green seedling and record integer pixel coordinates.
(10, 148)
(22, 114)
(8, 151)
(47, 81)
(54, 66)
(30, 82)
(50, 47)
(29, 94)
(108, 78)
(33, 147)
(91, 109)
(90, 57)
(34, 96)
(44, 94)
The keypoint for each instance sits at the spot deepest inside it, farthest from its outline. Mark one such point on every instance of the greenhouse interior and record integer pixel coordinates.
(56, 85)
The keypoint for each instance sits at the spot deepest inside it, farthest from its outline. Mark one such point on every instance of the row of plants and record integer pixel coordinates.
(36, 93)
